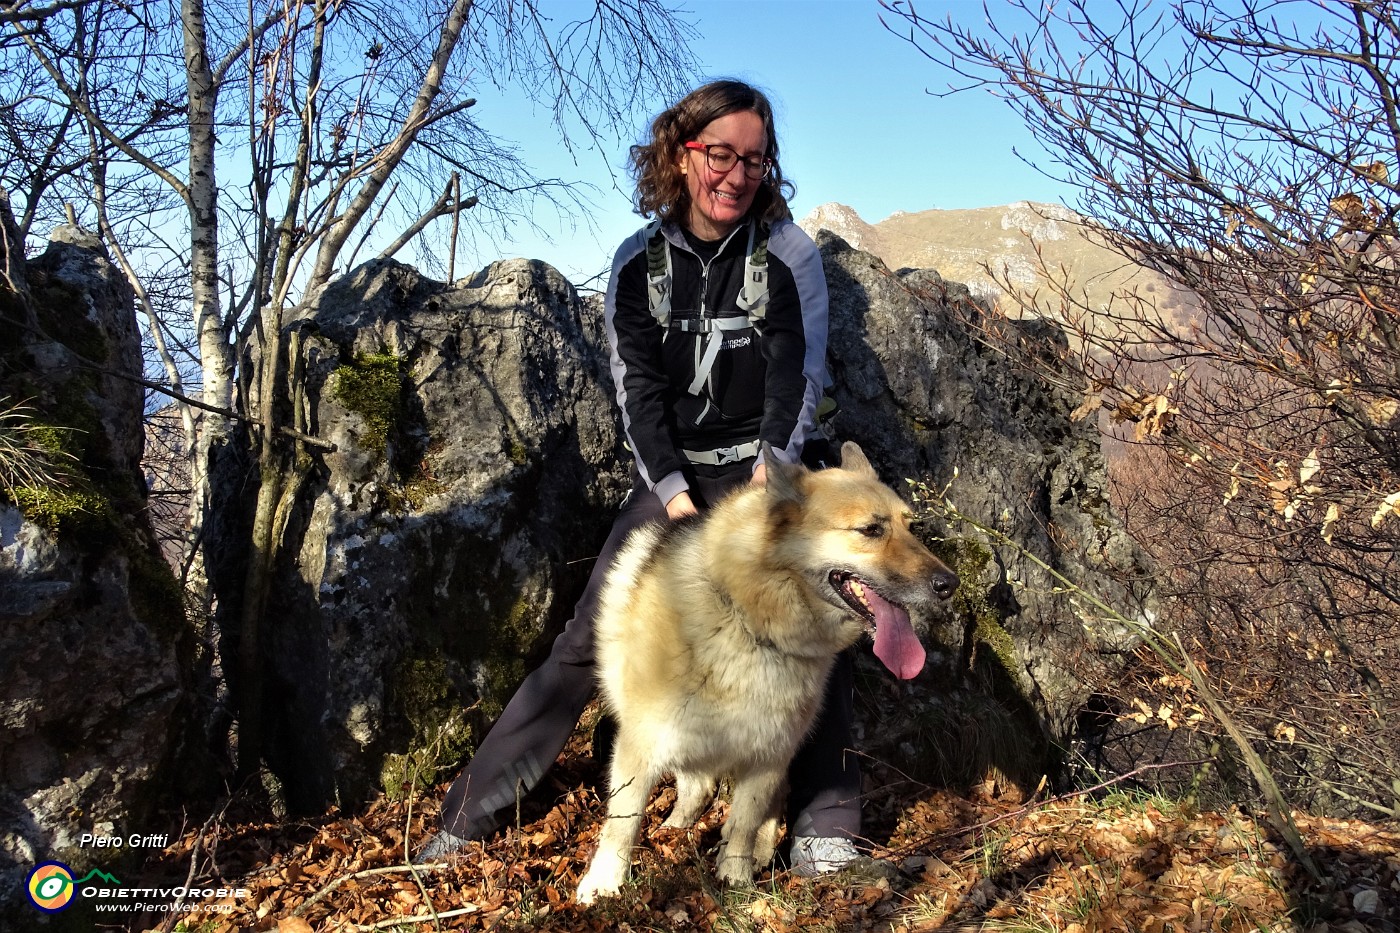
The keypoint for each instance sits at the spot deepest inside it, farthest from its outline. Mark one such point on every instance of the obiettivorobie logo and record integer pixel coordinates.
(51, 886)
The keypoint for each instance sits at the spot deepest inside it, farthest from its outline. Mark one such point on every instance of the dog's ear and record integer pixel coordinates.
(853, 458)
(784, 479)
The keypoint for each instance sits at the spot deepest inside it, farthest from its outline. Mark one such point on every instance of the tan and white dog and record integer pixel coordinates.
(716, 636)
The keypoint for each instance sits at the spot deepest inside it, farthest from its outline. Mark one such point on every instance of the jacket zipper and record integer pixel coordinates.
(704, 295)
(705, 268)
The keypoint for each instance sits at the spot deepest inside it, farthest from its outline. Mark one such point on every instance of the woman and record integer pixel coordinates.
(716, 316)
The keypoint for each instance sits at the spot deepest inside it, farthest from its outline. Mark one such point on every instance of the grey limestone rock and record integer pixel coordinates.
(447, 536)
(93, 637)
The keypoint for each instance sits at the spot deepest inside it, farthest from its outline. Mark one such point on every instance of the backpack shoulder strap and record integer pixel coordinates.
(658, 273)
(753, 295)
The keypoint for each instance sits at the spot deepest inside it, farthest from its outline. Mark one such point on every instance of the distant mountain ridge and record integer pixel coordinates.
(962, 245)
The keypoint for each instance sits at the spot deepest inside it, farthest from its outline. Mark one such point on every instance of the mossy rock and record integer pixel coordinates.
(990, 728)
(423, 694)
(372, 386)
(972, 602)
(65, 511)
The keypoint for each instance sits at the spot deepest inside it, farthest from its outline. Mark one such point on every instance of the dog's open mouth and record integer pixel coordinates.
(896, 645)
(857, 594)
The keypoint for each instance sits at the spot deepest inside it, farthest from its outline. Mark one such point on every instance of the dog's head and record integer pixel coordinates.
(848, 534)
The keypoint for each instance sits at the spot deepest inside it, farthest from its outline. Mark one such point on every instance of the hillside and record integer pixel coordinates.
(986, 248)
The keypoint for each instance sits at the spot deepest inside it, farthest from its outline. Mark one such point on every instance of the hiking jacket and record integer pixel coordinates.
(767, 381)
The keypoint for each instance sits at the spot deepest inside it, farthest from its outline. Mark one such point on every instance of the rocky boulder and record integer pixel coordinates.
(477, 466)
(439, 547)
(93, 666)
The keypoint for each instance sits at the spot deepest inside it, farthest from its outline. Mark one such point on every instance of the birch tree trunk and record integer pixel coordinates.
(215, 345)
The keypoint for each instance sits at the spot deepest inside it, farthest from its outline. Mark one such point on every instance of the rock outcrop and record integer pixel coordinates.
(476, 472)
(928, 403)
(428, 559)
(477, 467)
(94, 672)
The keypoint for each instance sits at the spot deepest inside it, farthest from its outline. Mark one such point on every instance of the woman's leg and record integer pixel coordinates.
(540, 717)
(824, 778)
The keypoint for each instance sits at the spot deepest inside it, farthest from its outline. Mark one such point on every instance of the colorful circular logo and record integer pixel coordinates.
(51, 886)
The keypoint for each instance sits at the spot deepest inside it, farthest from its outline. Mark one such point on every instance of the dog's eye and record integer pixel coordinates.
(872, 530)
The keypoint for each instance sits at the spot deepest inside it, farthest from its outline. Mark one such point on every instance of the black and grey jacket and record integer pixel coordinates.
(765, 384)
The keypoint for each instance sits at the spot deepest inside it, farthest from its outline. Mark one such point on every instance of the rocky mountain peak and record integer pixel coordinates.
(840, 220)
(997, 250)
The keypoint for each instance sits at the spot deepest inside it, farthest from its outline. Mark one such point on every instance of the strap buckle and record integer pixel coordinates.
(723, 456)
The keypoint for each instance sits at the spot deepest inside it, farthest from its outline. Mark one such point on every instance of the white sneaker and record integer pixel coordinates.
(439, 847)
(821, 855)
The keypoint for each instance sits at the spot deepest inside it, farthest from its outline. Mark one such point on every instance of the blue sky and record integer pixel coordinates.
(854, 120)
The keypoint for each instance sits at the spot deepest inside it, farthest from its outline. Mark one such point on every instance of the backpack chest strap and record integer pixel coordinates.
(710, 325)
(753, 292)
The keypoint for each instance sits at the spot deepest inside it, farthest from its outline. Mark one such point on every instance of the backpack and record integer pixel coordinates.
(752, 299)
(753, 295)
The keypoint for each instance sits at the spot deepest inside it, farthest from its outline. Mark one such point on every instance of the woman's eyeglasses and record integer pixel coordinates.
(720, 158)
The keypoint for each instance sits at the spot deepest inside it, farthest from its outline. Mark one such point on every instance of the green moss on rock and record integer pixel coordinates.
(1010, 742)
(64, 510)
(969, 559)
(423, 694)
(372, 387)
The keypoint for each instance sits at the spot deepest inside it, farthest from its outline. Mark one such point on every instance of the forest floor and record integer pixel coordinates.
(1081, 863)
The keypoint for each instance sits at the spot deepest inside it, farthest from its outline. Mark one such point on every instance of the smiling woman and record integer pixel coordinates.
(720, 197)
(716, 316)
(673, 176)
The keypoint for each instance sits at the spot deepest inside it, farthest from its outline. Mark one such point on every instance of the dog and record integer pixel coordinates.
(716, 634)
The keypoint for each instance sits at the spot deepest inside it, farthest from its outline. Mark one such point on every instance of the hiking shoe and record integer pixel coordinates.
(821, 855)
(439, 847)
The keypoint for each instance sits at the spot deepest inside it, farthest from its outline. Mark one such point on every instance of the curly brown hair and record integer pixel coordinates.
(661, 188)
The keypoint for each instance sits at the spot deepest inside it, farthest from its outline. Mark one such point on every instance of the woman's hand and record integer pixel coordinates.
(680, 506)
(760, 475)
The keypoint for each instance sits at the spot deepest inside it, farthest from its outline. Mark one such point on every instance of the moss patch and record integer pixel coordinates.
(416, 492)
(82, 501)
(372, 387)
(423, 694)
(994, 725)
(972, 602)
(65, 511)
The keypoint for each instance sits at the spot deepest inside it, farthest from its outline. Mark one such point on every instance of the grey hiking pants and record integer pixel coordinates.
(824, 779)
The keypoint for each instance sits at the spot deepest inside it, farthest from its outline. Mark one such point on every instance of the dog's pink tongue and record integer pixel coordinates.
(896, 645)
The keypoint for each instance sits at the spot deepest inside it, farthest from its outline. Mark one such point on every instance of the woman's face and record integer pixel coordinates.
(719, 201)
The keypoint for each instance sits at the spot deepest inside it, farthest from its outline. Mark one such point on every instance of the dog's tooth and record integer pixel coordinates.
(858, 589)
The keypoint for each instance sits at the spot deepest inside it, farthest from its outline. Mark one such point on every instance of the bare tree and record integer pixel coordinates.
(258, 147)
(1248, 152)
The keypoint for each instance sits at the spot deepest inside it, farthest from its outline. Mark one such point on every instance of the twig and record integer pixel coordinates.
(407, 834)
(364, 873)
(173, 915)
(1279, 813)
(417, 918)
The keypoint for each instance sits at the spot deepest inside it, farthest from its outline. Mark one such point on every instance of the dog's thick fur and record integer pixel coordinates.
(716, 636)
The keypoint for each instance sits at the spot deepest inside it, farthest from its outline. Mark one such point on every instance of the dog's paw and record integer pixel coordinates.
(735, 871)
(604, 878)
(678, 820)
